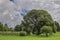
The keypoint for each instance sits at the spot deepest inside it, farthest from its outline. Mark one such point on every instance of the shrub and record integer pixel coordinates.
(28, 31)
(46, 30)
(23, 33)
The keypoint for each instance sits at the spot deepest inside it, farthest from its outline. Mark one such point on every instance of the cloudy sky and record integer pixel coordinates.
(10, 10)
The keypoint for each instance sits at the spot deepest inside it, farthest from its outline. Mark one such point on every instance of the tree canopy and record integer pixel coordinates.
(36, 19)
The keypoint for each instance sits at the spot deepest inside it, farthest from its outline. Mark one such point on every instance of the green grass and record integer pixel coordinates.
(34, 37)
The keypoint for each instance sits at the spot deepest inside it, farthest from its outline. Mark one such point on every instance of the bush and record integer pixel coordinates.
(46, 30)
(28, 31)
(23, 33)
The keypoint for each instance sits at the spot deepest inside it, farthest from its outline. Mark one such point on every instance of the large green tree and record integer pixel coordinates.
(35, 19)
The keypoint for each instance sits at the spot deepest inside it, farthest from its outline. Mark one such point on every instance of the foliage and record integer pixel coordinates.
(17, 28)
(46, 30)
(1, 26)
(26, 27)
(58, 26)
(23, 33)
(54, 28)
(11, 29)
(5, 28)
(36, 19)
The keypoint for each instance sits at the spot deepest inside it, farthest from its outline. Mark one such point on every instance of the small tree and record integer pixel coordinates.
(5, 28)
(57, 25)
(1, 26)
(46, 30)
(54, 28)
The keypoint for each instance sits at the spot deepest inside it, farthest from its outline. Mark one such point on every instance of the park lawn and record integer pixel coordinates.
(33, 37)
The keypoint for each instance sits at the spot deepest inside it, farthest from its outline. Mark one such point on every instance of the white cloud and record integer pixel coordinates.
(57, 6)
(5, 13)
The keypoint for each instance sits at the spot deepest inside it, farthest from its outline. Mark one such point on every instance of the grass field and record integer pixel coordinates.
(34, 37)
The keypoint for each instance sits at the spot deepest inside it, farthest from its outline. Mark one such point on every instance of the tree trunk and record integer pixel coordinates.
(38, 31)
(46, 34)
